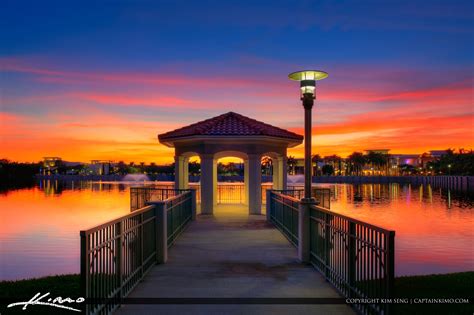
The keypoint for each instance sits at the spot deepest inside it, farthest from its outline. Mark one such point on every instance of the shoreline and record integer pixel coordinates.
(457, 183)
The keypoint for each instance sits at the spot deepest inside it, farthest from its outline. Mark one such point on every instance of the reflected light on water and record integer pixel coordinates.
(39, 226)
(434, 230)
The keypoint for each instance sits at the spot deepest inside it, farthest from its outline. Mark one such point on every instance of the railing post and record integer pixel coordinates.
(141, 245)
(85, 268)
(390, 268)
(391, 264)
(327, 244)
(161, 228)
(268, 204)
(193, 204)
(303, 231)
(352, 258)
(118, 245)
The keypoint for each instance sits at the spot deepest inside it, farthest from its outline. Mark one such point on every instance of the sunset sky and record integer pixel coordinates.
(83, 80)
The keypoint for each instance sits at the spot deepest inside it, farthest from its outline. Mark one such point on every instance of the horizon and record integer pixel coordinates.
(90, 81)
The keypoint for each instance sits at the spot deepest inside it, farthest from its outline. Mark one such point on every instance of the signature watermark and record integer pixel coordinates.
(44, 299)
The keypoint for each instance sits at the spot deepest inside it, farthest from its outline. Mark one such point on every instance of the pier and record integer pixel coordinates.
(238, 256)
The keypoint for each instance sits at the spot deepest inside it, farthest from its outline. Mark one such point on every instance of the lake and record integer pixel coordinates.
(39, 226)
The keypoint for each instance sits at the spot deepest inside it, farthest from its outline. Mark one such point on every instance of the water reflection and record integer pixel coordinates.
(434, 228)
(39, 226)
(55, 187)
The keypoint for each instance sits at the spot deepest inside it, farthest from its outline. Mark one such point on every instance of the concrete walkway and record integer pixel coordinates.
(233, 255)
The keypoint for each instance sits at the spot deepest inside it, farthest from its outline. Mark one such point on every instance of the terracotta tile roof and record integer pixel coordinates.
(229, 124)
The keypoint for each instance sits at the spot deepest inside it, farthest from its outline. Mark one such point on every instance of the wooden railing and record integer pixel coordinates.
(356, 257)
(116, 255)
(283, 212)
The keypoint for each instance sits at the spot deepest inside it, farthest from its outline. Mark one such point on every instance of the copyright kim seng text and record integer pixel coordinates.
(408, 301)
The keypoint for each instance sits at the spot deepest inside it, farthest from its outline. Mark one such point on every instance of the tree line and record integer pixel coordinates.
(451, 163)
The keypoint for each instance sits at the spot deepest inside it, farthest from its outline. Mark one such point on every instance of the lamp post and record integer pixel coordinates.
(307, 80)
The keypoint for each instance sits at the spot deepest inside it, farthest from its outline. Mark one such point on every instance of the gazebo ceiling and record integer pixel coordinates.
(229, 126)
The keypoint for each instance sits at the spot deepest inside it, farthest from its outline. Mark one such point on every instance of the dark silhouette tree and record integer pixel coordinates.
(327, 169)
(291, 162)
(267, 165)
(357, 161)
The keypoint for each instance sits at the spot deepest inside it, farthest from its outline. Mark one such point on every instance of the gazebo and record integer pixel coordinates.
(230, 135)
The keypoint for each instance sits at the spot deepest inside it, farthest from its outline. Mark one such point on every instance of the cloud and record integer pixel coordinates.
(93, 115)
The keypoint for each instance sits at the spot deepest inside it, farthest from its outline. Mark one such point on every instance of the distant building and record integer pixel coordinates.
(395, 163)
(100, 167)
(51, 165)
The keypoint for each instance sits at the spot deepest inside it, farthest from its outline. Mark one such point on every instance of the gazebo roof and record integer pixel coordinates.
(229, 124)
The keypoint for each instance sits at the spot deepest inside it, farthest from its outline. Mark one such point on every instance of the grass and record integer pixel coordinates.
(453, 285)
(24, 290)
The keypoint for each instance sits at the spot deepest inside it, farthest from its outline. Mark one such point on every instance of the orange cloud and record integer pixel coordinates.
(107, 115)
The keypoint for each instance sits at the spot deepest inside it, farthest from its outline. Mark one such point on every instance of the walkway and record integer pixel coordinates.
(233, 255)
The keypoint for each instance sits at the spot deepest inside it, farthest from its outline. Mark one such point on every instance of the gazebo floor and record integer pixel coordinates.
(233, 255)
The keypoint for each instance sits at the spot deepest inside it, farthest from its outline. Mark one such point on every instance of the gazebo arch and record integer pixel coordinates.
(236, 135)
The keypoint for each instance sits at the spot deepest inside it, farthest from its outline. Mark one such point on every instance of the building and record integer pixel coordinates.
(51, 165)
(396, 164)
(100, 167)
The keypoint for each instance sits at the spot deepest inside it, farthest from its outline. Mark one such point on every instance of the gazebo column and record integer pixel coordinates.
(284, 172)
(181, 171)
(214, 181)
(277, 175)
(208, 179)
(246, 182)
(255, 184)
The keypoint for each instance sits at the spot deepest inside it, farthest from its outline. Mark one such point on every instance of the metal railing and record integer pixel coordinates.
(226, 194)
(284, 214)
(140, 196)
(230, 194)
(116, 255)
(179, 214)
(356, 257)
(322, 195)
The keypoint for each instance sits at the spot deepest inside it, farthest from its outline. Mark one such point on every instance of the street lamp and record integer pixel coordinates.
(449, 169)
(307, 80)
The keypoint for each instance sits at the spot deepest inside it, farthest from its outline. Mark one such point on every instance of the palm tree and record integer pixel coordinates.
(377, 160)
(267, 164)
(315, 160)
(291, 162)
(334, 160)
(357, 161)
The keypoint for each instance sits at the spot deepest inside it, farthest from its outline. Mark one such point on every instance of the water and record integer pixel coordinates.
(39, 227)
(295, 179)
(434, 228)
(135, 178)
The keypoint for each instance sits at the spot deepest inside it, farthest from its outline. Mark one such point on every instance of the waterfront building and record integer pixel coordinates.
(100, 167)
(394, 165)
(50, 165)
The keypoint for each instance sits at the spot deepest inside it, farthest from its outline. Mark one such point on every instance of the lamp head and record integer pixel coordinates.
(308, 80)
